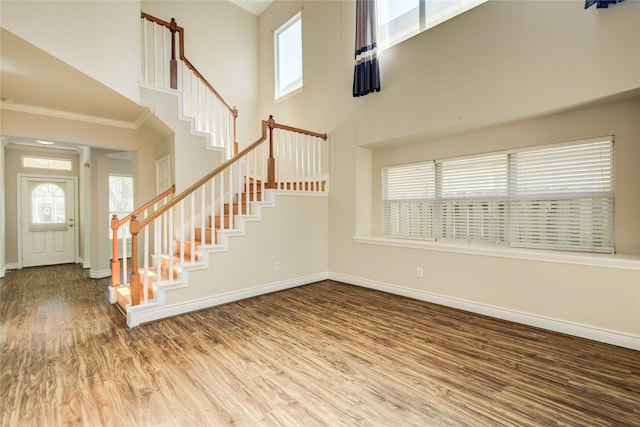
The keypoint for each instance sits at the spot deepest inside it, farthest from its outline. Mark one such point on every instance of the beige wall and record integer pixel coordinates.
(503, 75)
(621, 119)
(104, 50)
(3, 205)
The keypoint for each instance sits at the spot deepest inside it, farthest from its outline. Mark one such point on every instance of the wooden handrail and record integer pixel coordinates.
(156, 20)
(203, 180)
(323, 136)
(156, 199)
(174, 27)
(136, 226)
(173, 70)
(116, 224)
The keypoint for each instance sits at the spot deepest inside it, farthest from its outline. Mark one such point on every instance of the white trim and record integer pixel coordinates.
(59, 114)
(99, 274)
(11, 266)
(608, 336)
(143, 313)
(622, 262)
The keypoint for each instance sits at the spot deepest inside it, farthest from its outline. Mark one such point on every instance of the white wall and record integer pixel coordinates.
(493, 67)
(221, 42)
(84, 190)
(2, 211)
(93, 36)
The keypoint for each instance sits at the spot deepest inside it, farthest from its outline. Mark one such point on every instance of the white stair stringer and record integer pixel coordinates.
(191, 151)
(148, 100)
(235, 269)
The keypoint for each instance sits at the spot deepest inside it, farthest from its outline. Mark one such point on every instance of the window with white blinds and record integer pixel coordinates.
(562, 197)
(408, 200)
(558, 197)
(472, 197)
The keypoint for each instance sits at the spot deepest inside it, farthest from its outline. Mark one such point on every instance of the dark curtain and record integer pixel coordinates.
(600, 3)
(366, 76)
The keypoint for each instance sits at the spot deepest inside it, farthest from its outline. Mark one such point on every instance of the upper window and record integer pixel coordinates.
(46, 163)
(559, 197)
(400, 19)
(288, 56)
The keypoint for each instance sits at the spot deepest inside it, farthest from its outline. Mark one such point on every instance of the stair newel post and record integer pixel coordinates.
(271, 162)
(134, 286)
(115, 259)
(235, 131)
(173, 63)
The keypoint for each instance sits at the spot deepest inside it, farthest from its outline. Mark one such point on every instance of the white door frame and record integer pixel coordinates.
(19, 207)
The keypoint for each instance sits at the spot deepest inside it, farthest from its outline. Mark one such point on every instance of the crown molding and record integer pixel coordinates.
(59, 114)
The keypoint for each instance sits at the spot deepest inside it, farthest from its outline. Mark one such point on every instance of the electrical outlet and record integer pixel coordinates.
(419, 272)
(276, 266)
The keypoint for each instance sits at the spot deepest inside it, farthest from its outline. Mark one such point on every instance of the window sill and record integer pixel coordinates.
(287, 95)
(624, 262)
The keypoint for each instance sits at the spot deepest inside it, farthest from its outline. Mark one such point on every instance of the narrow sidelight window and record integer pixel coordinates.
(288, 56)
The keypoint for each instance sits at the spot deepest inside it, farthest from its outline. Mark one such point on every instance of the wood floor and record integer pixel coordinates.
(323, 354)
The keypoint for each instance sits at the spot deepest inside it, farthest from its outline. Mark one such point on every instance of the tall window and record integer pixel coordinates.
(559, 197)
(120, 198)
(400, 19)
(288, 56)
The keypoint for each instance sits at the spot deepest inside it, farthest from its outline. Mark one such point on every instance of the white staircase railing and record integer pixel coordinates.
(164, 66)
(179, 233)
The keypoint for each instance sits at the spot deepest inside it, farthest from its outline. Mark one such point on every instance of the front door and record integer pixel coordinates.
(48, 220)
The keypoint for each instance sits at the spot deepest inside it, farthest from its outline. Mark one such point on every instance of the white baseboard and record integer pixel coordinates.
(146, 313)
(99, 274)
(9, 266)
(580, 330)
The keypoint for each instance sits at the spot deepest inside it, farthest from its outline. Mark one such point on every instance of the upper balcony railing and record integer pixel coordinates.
(164, 64)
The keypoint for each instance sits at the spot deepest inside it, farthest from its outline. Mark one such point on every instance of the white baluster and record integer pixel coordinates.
(145, 51)
(222, 221)
(158, 247)
(230, 198)
(170, 239)
(145, 261)
(255, 175)
(245, 184)
(181, 232)
(192, 226)
(212, 221)
(203, 208)
(154, 38)
(165, 60)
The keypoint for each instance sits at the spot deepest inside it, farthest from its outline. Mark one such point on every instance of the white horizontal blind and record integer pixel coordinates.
(562, 197)
(472, 198)
(408, 200)
(559, 197)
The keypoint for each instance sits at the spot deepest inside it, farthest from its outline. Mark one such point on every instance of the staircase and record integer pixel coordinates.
(182, 256)
(188, 252)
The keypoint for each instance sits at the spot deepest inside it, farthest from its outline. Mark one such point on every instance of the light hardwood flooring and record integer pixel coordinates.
(322, 354)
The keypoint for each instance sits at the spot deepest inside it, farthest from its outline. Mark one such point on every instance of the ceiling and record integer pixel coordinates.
(254, 6)
(33, 81)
